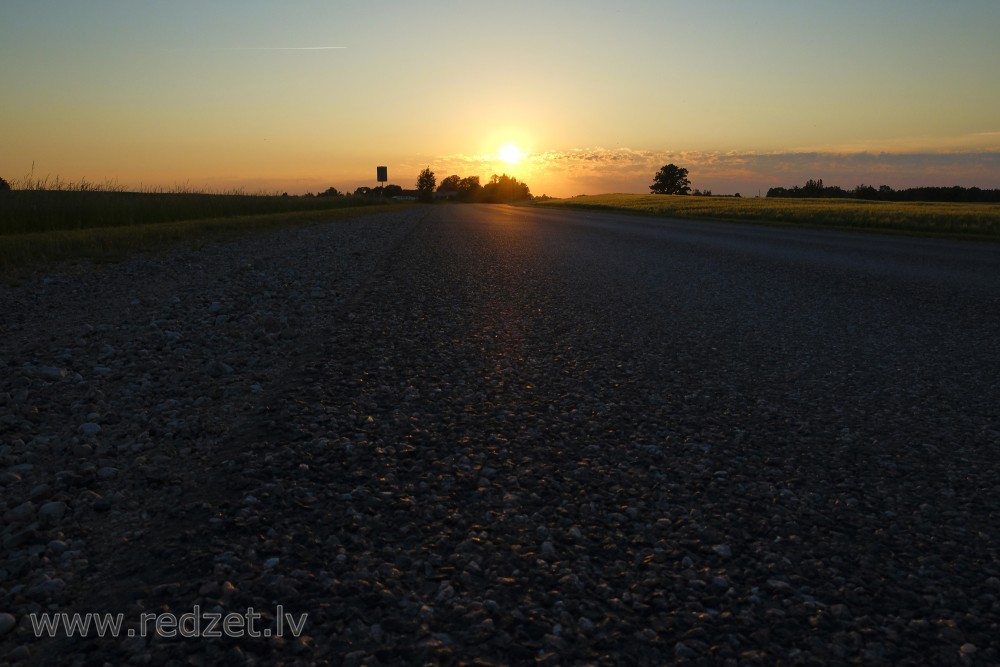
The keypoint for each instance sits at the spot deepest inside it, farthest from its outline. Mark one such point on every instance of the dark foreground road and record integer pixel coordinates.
(567, 438)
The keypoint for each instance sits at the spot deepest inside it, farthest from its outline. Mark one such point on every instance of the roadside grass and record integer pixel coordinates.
(951, 220)
(26, 251)
(34, 211)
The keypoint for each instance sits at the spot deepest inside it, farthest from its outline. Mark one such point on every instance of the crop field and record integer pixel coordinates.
(33, 211)
(41, 226)
(976, 221)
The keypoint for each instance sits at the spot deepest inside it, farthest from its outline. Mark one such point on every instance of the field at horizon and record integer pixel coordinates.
(942, 219)
(38, 227)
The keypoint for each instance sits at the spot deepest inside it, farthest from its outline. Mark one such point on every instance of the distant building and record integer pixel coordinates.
(406, 195)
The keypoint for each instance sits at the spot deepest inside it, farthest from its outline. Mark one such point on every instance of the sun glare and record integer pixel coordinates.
(510, 154)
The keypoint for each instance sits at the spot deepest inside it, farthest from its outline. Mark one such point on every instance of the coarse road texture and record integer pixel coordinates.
(553, 437)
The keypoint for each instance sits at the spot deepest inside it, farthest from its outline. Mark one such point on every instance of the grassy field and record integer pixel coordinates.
(33, 211)
(38, 227)
(976, 221)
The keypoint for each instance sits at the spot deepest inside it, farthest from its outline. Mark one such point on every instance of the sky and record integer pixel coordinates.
(576, 97)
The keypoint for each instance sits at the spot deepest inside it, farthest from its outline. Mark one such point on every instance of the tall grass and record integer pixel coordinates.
(48, 219)
(21, 252)
(56, 183)
(981, 221)
(34, 211)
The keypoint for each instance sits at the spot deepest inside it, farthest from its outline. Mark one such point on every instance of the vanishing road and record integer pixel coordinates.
(536, 435)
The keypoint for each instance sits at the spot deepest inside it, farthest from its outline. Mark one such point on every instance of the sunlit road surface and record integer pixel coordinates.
(693, 434)
(829, 337)
(553, 437)
(947, 264)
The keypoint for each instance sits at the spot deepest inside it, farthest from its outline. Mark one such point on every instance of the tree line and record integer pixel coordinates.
(956, 193)
(499, 189)
(670, 179)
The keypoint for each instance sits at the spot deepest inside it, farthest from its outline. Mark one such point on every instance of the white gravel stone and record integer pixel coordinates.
(21, 513)
(52, 373)
(723, 550)
(52, 510)
(89, 429)
(57, 547)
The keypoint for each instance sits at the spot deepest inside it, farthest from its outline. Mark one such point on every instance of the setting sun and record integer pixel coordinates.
(511, 154)
(529, 108)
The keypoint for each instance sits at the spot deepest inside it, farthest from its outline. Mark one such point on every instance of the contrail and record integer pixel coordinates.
(279, 48)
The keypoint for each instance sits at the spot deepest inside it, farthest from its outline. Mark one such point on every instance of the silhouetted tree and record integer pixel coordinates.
(864, 192)
(330, 192)
(885, 193)
(451, 183)
(469, 188)
(671, 180)
(504, 189)
(501, 188)
(362, 191)
(4, 186)
(813, 188)
(425, 185)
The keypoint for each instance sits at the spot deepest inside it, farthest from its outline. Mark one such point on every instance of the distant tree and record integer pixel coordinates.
(501, 188)
(504, 189)
(671, 180)
(330, 192)
(813, 188)
(469, 188)
(450, 184)
(885, 193)
(362, 191)
(425, 185)
(392, 190)
(4, 186)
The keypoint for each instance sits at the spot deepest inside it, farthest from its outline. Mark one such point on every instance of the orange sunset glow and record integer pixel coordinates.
(299, 97)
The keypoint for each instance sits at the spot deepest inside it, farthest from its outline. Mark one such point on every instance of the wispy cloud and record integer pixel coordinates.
(970, 142)
(598, 169)
(278, 48)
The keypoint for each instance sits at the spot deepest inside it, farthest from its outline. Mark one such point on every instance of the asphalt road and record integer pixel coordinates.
(878, 327)
(707, 441)
(878, 323)
(525, 436)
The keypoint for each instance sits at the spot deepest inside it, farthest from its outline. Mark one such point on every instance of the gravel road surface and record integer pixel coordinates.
(501, 435)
